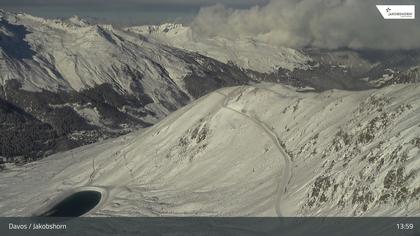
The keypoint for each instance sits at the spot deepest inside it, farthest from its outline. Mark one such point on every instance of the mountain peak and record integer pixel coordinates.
(5, 14)
(76, 20)
(157, 29)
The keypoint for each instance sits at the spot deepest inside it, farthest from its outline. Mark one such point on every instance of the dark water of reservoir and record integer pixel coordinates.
(75, 205)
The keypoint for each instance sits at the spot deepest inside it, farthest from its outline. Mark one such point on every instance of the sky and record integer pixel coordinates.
(290, 23)
(122, 12)
(331, 24)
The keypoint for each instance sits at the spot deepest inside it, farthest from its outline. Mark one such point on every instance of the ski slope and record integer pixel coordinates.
(264, 150)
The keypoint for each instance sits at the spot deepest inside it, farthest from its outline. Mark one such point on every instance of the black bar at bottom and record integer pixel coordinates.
(354, 226)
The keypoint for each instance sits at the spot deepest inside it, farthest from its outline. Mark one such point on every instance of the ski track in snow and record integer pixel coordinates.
(287, 169)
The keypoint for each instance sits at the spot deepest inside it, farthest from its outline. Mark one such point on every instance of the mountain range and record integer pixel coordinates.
(66, 83)
(164, 122)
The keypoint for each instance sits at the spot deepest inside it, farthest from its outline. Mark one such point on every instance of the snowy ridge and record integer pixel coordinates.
(73, 55)
(245, 53)
(50, 69)
(247, 151)
(80, 56)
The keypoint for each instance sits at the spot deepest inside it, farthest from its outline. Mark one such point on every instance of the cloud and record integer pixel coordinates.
(311, 23)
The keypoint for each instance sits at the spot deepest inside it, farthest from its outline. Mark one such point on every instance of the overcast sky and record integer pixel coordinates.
(98, 3)
(122, 11)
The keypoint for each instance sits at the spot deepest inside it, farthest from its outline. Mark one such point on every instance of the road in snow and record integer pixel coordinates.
(287, 169)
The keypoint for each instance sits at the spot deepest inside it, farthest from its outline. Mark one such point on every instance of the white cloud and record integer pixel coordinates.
(317, 23)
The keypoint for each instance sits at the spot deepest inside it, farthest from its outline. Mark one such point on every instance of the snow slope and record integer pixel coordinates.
(245, 53)
(94, 81)
(246, 151)
(71, 54)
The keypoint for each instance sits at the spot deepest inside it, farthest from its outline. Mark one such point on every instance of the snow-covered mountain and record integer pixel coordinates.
(263, 150)
(83, 82)
(246, 53)
(253, 150)
(319, 68)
